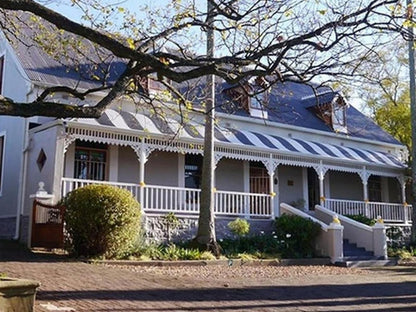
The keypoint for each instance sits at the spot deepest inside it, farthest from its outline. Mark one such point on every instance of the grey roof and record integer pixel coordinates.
(76, 62)
(289, 103)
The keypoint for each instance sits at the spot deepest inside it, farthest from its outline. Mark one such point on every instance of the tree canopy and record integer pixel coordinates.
(283, 40)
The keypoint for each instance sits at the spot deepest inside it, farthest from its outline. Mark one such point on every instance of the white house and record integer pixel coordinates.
(301, 147)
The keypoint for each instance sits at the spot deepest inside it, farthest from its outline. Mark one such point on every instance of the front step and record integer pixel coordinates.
(359, 257)
(366, 263)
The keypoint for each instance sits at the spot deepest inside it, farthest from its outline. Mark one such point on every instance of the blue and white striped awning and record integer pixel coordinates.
(242, 138)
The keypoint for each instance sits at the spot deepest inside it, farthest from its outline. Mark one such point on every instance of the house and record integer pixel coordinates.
(290, 144)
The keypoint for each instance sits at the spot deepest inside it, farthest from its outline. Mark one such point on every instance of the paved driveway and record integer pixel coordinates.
(68, 285)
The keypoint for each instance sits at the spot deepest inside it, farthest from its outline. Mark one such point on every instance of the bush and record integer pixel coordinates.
(101, 220)
(297, 234)
(260, 246)
(170, 252)
(239, 227)
(362, 219)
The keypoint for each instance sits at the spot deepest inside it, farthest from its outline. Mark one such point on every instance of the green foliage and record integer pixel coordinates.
(362, 219)
(239, 227)
(259, 246)
(170, 252)
(402, 253)
(171, 220)
(101, 221)
(394, 117)
(395, 237)
(297, 234)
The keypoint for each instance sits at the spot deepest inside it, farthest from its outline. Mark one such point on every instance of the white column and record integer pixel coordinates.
(305, 188)
(113, 163)
(142, 151)
(402, 182)
(142, 159)
(321, 171)
(181, 170)
(335, 241)
(364, 175)
(321, 177)
(379, 240)
(246, 178)
(271, 165)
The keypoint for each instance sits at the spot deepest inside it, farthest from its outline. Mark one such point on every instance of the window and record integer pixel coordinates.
(90, 161)
(260, 98)
(374, 188)
(1, 73)
(1, 160)
(338, 114)
(193, 171)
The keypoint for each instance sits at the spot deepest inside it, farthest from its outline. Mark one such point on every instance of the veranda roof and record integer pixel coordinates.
(148, 125)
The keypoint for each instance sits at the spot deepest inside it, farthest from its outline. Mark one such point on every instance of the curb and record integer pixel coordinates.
(228, 262)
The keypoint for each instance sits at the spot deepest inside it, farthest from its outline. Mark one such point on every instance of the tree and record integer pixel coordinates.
(280, 40)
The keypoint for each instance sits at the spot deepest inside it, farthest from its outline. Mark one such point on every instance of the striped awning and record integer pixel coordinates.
(242, 138)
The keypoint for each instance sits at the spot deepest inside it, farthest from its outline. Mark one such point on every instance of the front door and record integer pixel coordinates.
(313, 188)
(259, 179)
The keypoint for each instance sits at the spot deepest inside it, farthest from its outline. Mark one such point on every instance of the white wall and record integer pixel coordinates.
(13, 130)
(346, 186)
(229, 175)
(128, 165)
(162, 169)
(16, 87)
(290, 184)
(51, 172)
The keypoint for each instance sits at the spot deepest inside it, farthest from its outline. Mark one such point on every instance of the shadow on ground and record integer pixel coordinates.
(333, 297)
(14, 251)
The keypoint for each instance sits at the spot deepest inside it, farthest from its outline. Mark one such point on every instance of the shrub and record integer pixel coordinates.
(101, 220)
(239, 227)
(260, 245)
(362, 219)
(297, 234)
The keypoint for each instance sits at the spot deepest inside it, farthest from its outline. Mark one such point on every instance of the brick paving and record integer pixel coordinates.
(68, 285)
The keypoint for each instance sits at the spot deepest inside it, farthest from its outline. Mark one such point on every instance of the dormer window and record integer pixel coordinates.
(259, 99)
(1, 73)
(331, 108)
(338, 114)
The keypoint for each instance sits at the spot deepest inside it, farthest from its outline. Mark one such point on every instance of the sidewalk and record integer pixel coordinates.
(67, 285)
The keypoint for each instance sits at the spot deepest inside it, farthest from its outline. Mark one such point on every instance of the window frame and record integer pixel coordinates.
(90, 150)
(338, 109)
(2, 65)
(2, 158)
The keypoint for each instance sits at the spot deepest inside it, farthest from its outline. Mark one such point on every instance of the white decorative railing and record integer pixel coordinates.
(239, 203)
(163, 199)
(396, 213)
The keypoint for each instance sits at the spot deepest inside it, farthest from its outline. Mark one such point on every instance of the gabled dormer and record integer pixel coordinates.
(331, 107)
(338, 114)
(253, 96)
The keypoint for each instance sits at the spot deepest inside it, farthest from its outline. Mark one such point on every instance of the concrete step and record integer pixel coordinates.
(351, 250)
(366, 263)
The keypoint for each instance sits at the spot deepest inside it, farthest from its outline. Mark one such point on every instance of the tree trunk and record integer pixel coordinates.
(412, 89)
(206, 238)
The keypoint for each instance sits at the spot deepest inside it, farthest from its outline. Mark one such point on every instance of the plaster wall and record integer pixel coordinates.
(128, 165)
(15, 86)
(162, 169)
(47, 141)
(346, 185)
(290, 184)
(229, 175)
